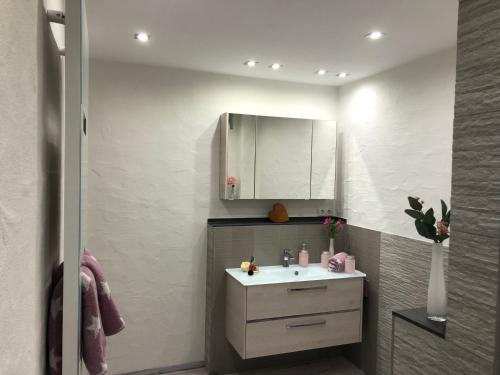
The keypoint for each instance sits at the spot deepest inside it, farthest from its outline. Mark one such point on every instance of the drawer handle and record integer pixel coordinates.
(310, 324)
(321, 287)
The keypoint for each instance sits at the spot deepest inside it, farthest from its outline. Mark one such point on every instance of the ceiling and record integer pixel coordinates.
(303, 35)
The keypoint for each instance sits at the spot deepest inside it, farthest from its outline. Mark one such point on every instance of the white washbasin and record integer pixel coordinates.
(292, 274)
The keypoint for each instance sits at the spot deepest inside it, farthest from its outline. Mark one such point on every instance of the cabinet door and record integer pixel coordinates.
(324, 148)
(283, 158)
(237, 156)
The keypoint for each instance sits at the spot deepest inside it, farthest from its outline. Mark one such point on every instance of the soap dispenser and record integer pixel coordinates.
(303, 256)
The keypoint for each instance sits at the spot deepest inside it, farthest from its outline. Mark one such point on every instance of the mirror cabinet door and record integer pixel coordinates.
(324, 148)
(238, 165)
(283, 158)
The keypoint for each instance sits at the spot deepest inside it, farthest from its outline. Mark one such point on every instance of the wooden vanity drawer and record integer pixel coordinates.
(283, 300)
(302, 333)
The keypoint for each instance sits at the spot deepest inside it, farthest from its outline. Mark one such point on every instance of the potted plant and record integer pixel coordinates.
(334, 227)
(437, 231)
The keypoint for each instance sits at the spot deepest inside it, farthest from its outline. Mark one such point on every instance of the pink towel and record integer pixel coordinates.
(337, 262)
(100, 318)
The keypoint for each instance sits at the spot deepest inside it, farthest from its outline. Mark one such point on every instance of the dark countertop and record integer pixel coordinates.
(419, 318)
(248, 221)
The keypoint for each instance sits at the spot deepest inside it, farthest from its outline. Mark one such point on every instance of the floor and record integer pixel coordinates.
(335, 366)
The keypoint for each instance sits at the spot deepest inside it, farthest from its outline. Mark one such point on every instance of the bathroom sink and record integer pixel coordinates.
(294, 273)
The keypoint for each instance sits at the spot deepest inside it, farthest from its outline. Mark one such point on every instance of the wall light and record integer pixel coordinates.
(342, 75)
(276, 66)
(142, 37)
(321, 72)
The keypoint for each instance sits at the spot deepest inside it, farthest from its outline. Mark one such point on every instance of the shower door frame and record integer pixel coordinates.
(75, 109)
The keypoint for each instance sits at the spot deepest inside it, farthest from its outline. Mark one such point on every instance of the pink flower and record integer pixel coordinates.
(231, 180)
(326, 221)
(442, 227)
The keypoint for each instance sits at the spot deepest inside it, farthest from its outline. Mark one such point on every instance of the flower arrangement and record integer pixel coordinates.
(333, 227)
(231, 180)
(426, 222)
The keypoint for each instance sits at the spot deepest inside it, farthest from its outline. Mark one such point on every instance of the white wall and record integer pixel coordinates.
(153, 182)
(30, 147)
(397, 141)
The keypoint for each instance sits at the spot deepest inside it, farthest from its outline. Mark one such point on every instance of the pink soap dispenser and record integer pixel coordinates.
(303, 256)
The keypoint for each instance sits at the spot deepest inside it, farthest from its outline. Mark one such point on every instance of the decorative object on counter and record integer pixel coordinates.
(245, 266)
(437, 231)
(232, 181)
(303, 256)
(337, 262)
(334, 227)
(350, 264)
(278, 213)
(252, 268)
(325, 257)
(249, 267)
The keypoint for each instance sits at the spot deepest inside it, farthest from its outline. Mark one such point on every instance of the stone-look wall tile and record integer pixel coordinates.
(478, 70)
(418, 352)
(474, 220)
(473, 294)
(404, 274)
(476, 150)
(364, 244)
(475, 224)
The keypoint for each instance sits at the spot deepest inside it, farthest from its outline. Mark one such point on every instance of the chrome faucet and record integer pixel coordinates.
(287, 257)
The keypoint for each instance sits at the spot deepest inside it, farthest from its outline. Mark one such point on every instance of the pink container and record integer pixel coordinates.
(325, 257)
(350, 264)
(303, 258)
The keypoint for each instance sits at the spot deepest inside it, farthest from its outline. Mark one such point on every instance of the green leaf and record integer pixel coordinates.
(425, 230)
(429, 217)
(414, 203)
(415, 214)
(442, 237)
(448, 217)
(444, 209)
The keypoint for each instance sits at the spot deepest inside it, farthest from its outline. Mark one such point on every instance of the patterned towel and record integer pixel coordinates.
(100, 318)
(337, 262)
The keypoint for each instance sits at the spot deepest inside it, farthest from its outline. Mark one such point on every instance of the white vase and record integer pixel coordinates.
(436, 293)
(332, 247)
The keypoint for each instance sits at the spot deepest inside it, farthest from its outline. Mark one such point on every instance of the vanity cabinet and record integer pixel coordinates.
(277, 318)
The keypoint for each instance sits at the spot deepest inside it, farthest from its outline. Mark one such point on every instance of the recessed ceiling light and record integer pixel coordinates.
(374, 35)
(142, 37)
(276, 66)
(251, 63)
(321, 72)
(342, 75)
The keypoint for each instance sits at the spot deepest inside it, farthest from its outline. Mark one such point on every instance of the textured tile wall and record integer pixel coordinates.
(364, 244)
(227, 247)
(469, 347)
(476, 187)
(430, 359)
(404, 275)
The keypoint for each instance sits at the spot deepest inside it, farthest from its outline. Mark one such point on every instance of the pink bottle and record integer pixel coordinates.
(350, 264)
(325, 257)
(303, 256)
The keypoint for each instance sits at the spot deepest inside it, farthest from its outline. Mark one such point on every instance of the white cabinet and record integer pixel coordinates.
(287, 317)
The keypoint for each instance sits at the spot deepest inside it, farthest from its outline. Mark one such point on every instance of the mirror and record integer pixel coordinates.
(283, 158)
(264, 157)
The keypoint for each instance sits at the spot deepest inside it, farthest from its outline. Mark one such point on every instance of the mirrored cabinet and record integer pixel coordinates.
(265, 157)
